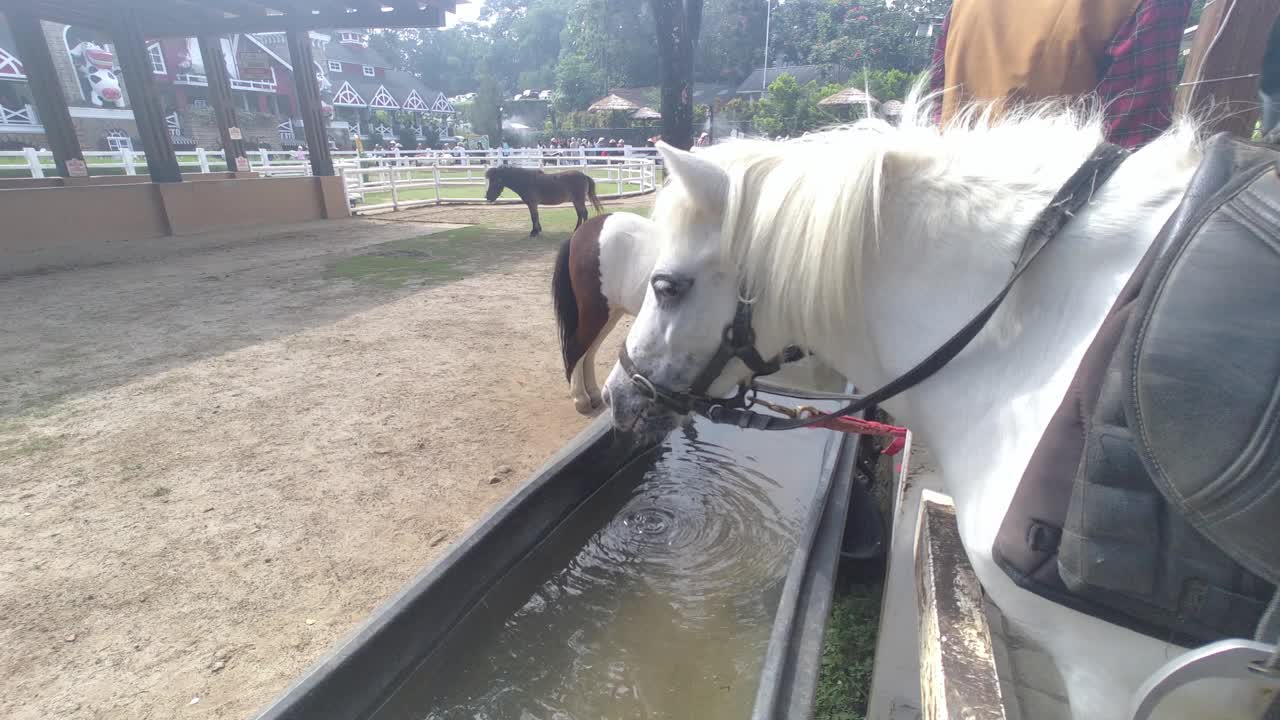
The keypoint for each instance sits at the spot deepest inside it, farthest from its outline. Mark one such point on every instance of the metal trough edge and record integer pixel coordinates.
(412, 623)
(416, 619)
(789, 679)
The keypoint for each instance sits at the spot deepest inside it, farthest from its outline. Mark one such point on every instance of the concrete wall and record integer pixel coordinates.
(70, 223)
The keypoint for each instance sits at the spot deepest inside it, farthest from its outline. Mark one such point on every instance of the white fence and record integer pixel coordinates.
(384, 180)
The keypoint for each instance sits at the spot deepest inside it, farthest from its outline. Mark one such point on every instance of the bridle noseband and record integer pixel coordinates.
(738, 339)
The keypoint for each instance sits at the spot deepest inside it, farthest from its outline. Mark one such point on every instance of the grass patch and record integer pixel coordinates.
(452, 255)
(25, 447)
(604, 185)
(395, 271)
(848, 655)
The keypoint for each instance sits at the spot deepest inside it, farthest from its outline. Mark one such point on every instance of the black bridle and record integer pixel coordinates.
(738, 338)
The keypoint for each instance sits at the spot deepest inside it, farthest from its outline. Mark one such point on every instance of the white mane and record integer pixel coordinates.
(803, 216)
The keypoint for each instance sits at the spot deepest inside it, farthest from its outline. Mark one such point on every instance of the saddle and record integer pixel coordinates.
(1153, 499)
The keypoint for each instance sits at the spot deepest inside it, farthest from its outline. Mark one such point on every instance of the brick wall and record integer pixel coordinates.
(92, 132)
(54, 36)
(199, 125)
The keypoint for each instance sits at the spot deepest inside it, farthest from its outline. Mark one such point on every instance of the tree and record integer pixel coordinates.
(884, 85)
(791, 108)
(677, 23)
(579, 82)
(731, 43)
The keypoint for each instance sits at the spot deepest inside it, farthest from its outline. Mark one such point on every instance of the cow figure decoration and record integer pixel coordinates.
(97, 65)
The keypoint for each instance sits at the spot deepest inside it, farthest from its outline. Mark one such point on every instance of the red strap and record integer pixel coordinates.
(858, 426)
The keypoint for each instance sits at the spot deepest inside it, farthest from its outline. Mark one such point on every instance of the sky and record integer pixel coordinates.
(465, 12)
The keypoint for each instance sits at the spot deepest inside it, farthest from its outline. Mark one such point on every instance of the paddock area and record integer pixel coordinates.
(220, 452)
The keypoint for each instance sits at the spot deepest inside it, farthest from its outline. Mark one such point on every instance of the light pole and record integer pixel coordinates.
(768, 18)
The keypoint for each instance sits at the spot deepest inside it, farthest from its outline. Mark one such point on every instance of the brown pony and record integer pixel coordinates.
(538, 188)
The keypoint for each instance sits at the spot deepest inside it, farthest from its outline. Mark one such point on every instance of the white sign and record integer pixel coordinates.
(235, 133)
(77, 168)
(242, 164)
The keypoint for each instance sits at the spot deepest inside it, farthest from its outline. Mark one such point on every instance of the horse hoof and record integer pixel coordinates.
(535, 233)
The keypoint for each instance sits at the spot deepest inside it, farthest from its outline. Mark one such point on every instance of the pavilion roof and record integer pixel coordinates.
(189, 18)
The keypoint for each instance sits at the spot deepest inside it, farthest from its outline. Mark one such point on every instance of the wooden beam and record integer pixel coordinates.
(67, 12)
(308, 93)
(1220, 82)
(135, 64)
(42, 78)
(224, 111)
(958, 677)
(431, 17)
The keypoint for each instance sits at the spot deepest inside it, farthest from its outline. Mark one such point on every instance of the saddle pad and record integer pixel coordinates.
(1202, 373)
(1088, 526)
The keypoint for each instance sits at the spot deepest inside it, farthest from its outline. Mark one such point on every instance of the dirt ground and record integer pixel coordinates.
(219, 454)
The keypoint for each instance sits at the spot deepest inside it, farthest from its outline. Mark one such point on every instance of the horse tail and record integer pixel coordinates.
(591, 193)
(566, 304)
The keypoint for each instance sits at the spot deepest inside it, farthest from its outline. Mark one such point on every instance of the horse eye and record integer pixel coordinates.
(668, 288)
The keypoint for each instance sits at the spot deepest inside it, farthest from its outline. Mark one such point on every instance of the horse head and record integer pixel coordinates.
(495, 184)
(693, 299)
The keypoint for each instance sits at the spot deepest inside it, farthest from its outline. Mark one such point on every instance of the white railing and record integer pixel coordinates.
(390, 180)
(259, 85)
(380, 180)
(25, 115)
(190, 79)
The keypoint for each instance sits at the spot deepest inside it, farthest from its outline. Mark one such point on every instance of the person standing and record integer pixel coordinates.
(1011, 51)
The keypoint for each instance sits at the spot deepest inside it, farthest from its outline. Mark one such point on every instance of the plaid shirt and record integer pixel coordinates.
(1139, 72)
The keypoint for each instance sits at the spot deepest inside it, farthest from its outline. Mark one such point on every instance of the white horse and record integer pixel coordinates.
(871, 248)
(601, 276)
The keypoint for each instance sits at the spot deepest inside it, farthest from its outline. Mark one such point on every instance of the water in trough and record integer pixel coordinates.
(653, 600)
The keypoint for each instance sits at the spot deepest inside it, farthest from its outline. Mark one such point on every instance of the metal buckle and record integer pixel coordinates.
(646, 388)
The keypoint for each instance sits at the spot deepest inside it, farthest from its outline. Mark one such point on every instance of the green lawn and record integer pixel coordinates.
(605, 185)
(454, 254)
(848, 654)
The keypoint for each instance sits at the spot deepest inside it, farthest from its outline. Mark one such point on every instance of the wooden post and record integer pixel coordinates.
(135, 64)
(958, 676)
(224, 109)
(304, 82)
(33, 162)
(1222, 77)
(42, 78)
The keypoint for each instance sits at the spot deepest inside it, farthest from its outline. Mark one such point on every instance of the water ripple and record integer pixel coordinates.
(665, 611)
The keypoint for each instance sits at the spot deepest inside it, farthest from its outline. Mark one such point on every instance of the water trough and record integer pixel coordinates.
(691, 579)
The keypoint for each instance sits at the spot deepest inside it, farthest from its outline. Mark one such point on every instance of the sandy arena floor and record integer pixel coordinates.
(218, 455)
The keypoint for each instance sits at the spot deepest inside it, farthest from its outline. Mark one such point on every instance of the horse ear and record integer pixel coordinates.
(705, 182)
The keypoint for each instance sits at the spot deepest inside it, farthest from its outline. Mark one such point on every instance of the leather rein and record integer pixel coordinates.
(738, 338)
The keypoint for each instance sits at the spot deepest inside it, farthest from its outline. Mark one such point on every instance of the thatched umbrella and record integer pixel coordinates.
(646, 113)
(849, 97)
(613, 103)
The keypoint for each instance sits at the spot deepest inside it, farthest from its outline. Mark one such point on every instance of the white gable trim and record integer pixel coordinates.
(347, 95)
(383, 99)
(10, 66)
(269, 51)
(414, 101)
(442, 105)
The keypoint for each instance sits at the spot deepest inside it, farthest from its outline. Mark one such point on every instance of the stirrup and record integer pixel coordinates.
(1225, 659)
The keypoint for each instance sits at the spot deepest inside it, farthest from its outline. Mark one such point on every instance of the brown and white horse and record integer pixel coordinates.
(538, 188)
(602, 274)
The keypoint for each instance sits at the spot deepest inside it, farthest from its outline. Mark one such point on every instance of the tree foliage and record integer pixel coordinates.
(583, 48)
